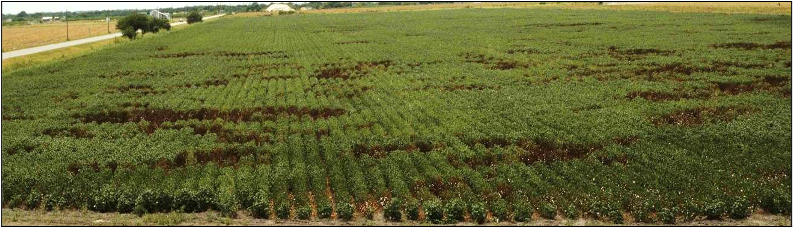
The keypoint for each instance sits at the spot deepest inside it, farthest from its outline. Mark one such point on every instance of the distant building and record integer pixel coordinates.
(8, 20)
(46, 19)
(279, 7)
(306, 8)
(160, 15)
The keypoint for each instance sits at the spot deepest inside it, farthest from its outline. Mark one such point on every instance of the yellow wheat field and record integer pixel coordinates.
(26, 36)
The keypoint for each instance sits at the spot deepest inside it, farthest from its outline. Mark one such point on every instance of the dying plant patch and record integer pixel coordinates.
(136, 88)
(208, 83)
(751, 46)
(224, 135)
(180, 55)
(493, 62)
(545, 25)
(526, 51)
(158, 116)
(74, 132)
(665, 96)
(269, 54)
(633, 54)
(346, 71)
(352, 42)
(141, 73)
(700, 115)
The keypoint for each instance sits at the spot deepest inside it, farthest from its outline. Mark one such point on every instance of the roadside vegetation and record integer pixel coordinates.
(131, 24)
(438, 117)
(194, 17)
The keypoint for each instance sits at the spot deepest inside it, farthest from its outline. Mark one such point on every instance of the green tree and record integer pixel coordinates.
(22, 14)
(254, 7)
(154, 25)
(130, 24)
(194, 17)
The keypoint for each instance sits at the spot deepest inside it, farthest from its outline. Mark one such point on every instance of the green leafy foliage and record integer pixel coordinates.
(433, 211)
(344, 211)
(393, 210)
(194, 17)
(478, 213)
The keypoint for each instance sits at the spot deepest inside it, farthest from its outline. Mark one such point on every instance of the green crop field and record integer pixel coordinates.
(442, 116)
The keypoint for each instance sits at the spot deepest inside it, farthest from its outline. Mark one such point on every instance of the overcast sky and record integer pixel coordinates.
(33, 7)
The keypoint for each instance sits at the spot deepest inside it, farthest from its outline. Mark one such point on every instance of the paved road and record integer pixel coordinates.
(44, 48)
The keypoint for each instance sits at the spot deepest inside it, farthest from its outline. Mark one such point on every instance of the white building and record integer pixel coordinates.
(160, 15)
(46, 19)
(279, 7)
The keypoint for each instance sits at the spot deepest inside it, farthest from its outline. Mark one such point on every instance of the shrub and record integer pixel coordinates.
(689, 210)
(523, 211)
(104, 201)
(571, 212)
(616, 216)
(641, 212)
(33, 200)
(324, 209)
(775, 201)
(714, 209)
(304, 212)
(500, 210)
(412, 210)
(548, 211)
(194, 17)
(393, 210)
(666, 216)
(282, 210)
(433, 211)
(369, 213)
(344, 211)
(125, 202)
(261, 206)
(740, 208)
(15, 202)
(478, 213)
(455, 210)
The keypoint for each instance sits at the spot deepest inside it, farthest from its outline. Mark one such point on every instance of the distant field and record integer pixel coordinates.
(26, 36)
(437, 116)
(706, 7)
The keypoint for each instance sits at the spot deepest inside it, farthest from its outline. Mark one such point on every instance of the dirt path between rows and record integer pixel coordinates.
(15, 217)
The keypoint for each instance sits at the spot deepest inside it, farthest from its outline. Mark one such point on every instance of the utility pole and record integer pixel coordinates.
(107, 15)
(66, 18)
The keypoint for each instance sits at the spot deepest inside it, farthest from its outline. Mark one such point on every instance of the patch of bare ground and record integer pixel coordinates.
(751, 46)
(542, 150)
(526, 51)
(573, 24)
(141, 73)
(208, 83)
(352, 42)
(136, 88)
(16, 217)
(700, 115)
(179, 55)
(665, 96)
(462, 87)
(380, 151)
(347, 71)
(634, 54)
(74, 132)
(270, 54)
(493, 62)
